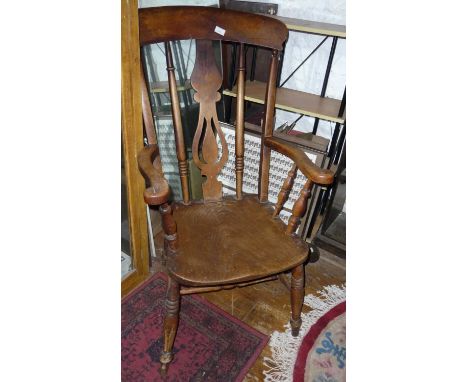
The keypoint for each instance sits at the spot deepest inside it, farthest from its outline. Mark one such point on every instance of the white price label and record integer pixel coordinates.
(220, 31)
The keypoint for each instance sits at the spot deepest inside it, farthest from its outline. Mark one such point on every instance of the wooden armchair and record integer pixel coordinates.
(219, 243)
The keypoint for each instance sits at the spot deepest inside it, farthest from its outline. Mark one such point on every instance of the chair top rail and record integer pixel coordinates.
(161, 24)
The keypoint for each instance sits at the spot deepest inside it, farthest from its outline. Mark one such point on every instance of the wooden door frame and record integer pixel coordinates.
(132, 136)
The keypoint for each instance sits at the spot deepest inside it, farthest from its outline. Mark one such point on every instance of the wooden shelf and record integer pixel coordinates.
(163, 86)
(313, 26)
(314, 143)
(294, 101)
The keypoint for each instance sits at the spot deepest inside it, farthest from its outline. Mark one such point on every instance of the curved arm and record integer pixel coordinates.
(310, 170)
(158, 192)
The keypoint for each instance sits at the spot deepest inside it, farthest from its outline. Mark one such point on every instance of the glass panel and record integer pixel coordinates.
(126, 259)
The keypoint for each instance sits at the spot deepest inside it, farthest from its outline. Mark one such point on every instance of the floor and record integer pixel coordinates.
(266, 306)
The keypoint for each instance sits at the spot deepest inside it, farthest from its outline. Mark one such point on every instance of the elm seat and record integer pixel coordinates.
(231, 241)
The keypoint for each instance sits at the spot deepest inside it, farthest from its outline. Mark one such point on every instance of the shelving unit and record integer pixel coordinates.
(294, 100)
(303, 103)
(313, 27)
(163, 86)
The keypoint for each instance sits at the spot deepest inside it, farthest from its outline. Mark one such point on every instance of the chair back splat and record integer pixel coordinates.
(206, 80)
(206, 24)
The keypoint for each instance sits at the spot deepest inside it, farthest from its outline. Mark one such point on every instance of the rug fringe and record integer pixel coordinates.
(284, 347)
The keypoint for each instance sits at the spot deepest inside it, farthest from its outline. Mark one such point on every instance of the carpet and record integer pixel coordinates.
(322, 355)
(318, 354)
(210, 344)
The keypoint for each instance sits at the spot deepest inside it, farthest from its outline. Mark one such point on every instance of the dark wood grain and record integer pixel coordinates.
(231, 241)
(183, 23)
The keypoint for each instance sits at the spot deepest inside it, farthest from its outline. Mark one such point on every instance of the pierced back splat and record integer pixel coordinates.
(206, 80)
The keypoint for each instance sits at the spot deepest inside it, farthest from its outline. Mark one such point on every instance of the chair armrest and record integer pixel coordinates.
(149, 164)
(309, 169)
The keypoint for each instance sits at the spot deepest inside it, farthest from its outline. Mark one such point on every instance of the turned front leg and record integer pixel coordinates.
(170, 230)
(297, 298)
(171, 322)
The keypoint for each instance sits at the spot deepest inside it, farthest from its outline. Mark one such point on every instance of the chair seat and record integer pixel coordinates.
(231, 241)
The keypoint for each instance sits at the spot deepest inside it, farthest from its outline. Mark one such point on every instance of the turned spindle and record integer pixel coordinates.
(240, 123)
(285, 189)
(299, 208)
(177, 120)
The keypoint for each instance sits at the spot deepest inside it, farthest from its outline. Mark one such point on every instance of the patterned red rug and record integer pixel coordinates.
(210, 344)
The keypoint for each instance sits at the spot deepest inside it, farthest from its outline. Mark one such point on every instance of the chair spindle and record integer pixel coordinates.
(285, 190)
(240, 123)
(147, 113)
(299, 208)
(178, 132)
(267, 128)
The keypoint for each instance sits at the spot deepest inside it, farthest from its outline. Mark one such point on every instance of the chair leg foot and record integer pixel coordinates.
(165, 359)
(295, 327)
(171, 322)
(297, 298)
